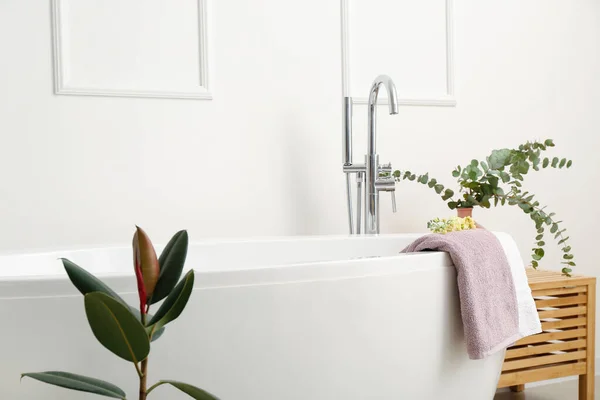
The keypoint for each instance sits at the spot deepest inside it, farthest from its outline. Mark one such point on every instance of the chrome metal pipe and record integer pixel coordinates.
(347, 131)
(349, 199)
(359, 195)
(371, 159)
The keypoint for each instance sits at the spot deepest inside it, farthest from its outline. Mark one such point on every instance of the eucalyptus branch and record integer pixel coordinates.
(497, 180)
(432, 183)
(525, 202)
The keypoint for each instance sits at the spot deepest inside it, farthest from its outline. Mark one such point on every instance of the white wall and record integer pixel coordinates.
(263, 157)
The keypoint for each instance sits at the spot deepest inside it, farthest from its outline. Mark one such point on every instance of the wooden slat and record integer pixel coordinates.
(546, 336)
(563, 312)
(545, 348)
(543, 360)
(587, 381)
(562, 301)
(565, 283)
(538, 374)
(558, 291)
(569, 303)
(564, 323)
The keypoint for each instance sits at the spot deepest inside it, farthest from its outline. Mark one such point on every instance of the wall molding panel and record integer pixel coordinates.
(446, 96)
(197, 83)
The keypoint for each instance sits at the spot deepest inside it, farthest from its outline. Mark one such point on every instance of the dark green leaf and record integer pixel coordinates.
(562, 163)
(557, 234)
(566, 249)
(536, 257)
(116, 328)
(539, 237)
(447, 194)
(541, 243)
(549, 142)
(192, 391)
(171, 263)
(174, 304)
(534, 264)
(569, 163)
(78, 382)
(554, 162)
(86, 282)
(455, 173)
(568, 256)
(432, 182)
(545, 162)
(452, 205)
(539, 252)
(563, 240)
(554, 228)
(439, 188)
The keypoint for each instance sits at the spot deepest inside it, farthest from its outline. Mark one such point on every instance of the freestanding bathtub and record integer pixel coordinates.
(319, 318)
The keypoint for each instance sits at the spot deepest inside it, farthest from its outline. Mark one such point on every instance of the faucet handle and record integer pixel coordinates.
(388, 184)
(385, 168)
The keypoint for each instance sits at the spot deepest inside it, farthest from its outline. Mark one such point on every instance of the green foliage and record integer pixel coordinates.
(190, 390)
(498, 180)
(125, 330)
(88, 283)
(171, 263)
(78, 382)
(175, 302)
(116, 328)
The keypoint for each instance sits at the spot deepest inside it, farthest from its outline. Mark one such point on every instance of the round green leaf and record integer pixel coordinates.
(545, 162)
(116, 328)
(174, 304)
(192, 391)
(78, 382)
(171, 263)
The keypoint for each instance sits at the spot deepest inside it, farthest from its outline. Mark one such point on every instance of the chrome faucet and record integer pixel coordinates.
(376, 177)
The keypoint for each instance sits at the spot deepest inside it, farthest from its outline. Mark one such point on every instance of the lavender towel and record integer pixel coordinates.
(488, 301)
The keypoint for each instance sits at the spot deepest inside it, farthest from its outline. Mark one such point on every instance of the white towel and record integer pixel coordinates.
(529, 320)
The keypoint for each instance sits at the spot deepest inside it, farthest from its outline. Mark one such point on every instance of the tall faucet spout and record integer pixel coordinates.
(372, 109)
(371, 159)
(391, 90)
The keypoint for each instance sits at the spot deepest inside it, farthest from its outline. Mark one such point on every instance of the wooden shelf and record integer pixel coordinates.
(565, 347)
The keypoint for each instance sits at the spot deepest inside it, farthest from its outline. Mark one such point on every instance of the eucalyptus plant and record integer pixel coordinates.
(127, 331)
(498, 180)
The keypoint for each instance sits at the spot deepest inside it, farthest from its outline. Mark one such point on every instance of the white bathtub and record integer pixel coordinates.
(319, 318)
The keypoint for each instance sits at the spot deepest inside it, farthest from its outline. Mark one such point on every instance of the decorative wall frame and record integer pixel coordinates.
(200, 89)
(446, 99)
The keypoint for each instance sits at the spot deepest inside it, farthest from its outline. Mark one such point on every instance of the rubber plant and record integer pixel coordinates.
(127, 331)
(498, 180)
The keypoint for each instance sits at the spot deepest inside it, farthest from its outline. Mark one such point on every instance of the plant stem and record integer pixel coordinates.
(144, 372)
(143, 392)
